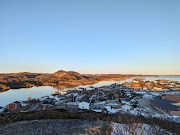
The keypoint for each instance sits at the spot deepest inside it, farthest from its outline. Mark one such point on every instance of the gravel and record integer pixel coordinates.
(46, 127)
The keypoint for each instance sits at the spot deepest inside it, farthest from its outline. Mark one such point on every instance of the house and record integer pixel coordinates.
(61, 97)
(85, 104)
(97, 107)
(55, 93)
(47, 103)
(32, 101)
(167, 106)
(41, 99)
(14, 106)
(24, 104)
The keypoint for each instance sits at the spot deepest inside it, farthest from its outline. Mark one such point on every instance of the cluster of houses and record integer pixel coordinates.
(19, 106)
(107, 99)
(95, 99)
(156, 85)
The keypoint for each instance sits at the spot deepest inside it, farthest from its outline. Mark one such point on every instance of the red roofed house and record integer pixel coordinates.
(13, 106)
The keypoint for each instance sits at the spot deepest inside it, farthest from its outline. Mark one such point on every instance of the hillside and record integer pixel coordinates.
(26, 79)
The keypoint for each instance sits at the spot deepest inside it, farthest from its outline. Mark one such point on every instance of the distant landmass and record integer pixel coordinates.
(27, 80)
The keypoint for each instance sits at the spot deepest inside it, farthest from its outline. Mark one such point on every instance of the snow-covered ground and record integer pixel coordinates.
(144, 109)
(111, 110)
(137, 128)
(147, 96)
(155, 93)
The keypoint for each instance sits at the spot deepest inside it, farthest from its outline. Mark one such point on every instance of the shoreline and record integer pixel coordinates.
(72, 84)
(75, 84)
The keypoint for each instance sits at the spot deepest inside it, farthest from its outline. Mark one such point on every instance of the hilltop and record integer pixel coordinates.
(27, 79)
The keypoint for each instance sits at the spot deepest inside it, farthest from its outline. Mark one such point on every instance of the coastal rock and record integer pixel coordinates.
(4, 87)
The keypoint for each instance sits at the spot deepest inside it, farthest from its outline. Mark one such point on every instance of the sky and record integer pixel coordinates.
(90, 36)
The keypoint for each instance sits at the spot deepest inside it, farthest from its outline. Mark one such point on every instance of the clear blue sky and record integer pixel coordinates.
(90, 36)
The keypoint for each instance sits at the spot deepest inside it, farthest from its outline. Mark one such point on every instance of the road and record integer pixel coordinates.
(34, 107)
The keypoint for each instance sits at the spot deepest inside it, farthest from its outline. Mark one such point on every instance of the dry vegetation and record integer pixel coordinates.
(127, 119)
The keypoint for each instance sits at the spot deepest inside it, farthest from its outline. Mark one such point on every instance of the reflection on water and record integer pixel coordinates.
(36, 92)
(62, 87)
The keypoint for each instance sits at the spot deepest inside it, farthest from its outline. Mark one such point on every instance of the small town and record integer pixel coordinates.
(108, 99)
(156, 85)
(90, 67)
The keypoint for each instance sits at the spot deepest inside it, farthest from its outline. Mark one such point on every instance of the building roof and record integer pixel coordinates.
(86, 100)
(48, 101)
(157, 97)
(172, 97)
(17, 102)
(166, 104)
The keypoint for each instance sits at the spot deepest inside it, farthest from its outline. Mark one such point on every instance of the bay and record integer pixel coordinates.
(36, 92)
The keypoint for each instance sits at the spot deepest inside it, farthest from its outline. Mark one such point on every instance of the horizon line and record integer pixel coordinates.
(91, 73)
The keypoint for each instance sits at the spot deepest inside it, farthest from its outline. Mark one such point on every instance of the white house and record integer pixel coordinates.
(24, 104)
(85, 104)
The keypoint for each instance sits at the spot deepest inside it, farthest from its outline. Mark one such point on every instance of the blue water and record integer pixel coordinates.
(36, 92)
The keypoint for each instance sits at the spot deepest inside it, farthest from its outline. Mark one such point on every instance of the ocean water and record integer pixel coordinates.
(36, 92)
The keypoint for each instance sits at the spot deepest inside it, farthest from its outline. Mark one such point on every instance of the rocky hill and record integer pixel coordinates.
(18, 80)
(26, 79)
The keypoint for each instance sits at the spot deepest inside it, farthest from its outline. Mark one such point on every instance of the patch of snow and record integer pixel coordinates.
(137, 128)
(102, 103)
(72, 103)
(147, 96)
(111, 111)
(155, 93)
(125, 102)
(139, 92)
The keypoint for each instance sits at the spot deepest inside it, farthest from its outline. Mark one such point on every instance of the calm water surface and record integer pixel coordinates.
(36, 92)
